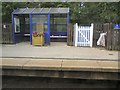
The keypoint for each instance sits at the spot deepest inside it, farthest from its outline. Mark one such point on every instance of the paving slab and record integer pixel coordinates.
(90, 65)
(112, 65)
(10, 63)
(78, 65)
(46, 64)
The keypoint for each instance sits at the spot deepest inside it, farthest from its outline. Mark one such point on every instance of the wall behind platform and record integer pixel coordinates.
(7, 33)
(112, 39)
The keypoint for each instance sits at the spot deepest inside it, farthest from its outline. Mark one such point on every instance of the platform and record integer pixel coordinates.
(61, 68)
(57, 50)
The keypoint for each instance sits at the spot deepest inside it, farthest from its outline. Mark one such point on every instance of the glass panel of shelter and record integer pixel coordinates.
(27, 25)
(21, 24)
(39, 20)
(17, 24)
(58, 24)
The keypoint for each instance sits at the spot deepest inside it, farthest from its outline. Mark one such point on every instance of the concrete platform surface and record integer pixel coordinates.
(57, 50)
(59, 64)
(13, 63)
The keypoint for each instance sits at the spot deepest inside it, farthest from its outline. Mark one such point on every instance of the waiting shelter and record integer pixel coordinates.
(52, 21)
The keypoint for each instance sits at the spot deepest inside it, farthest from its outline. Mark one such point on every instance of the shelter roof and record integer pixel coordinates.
(41, 11)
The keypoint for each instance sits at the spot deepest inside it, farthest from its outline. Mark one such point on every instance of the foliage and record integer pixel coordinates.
(80, 12)
(36, 34)
(98, 12)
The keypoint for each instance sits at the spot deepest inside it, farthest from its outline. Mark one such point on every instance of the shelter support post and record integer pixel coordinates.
(68, 21)
(13, 30)
(30, 28)
(48, 29)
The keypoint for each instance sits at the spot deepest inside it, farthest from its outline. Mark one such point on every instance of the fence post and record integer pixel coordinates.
(76, 33)
(91, 35)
